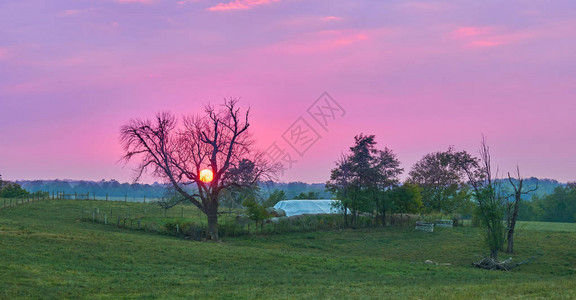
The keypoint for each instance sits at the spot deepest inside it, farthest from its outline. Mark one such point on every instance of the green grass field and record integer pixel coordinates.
(47, 252)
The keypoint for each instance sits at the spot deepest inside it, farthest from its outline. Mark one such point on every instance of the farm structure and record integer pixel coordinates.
(308, 207)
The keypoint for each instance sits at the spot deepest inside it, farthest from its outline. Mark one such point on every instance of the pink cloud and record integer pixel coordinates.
(485, 43)
(488, 36)
(320, 41)
(471, 31)
(240, 4)
(331, 18)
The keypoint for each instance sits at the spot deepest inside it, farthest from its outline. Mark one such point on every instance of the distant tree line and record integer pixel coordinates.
(10, 189)
(265, 189)
(101, 188)
(559, 206)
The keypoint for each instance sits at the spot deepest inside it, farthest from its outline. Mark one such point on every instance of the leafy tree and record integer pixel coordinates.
(530, 210)
(243, 182)
(361, 177)
(407, 198)
(11, 190)
(442, 179)
(275, 197)
(341, 184)
(256, 212)
(560, 206)
(176, 152)
(307, 196)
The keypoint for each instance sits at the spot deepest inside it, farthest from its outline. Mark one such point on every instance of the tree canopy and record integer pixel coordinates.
(443, 179)
(176, 152)
(362, 176)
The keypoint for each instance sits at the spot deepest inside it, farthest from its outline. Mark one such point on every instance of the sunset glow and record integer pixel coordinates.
(420, 75)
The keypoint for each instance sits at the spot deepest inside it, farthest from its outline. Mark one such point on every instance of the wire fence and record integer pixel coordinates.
(186, 220)
(12, 202)
(195, 227)
(105, 197)
(41, 196)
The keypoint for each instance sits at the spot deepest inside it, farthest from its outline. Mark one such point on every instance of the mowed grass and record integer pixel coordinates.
(46, 252)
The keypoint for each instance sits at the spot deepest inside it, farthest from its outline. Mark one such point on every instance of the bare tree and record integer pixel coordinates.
(512, 208)
(218, 140)
(490, 203)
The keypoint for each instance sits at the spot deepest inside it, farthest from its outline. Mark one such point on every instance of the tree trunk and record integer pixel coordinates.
(494, 254)
(212, 233)
(510, 247)
(383, 216)
(512, 226)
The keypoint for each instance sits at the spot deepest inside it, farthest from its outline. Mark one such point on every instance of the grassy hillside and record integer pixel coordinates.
(46, 252)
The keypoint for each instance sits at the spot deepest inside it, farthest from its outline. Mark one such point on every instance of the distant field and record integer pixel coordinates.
(46, 252)
(546, 226)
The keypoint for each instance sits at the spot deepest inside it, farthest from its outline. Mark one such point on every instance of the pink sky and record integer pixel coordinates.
(421, 76)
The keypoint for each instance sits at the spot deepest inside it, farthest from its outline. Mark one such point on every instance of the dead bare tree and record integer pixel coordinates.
(218, 140)
(512, 208)
(490, 207)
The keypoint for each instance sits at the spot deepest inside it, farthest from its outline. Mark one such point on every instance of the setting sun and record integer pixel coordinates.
(206, 175)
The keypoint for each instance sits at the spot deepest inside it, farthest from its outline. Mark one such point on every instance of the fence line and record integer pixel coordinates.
(192, 225)
(155, 219)
(40, 196)
(13, 202)
(105, 197)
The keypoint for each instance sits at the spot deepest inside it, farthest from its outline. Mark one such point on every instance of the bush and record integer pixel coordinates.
(180, 227)
(256, 212)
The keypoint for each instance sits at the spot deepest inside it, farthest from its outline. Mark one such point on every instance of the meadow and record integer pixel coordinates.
(48, 250)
